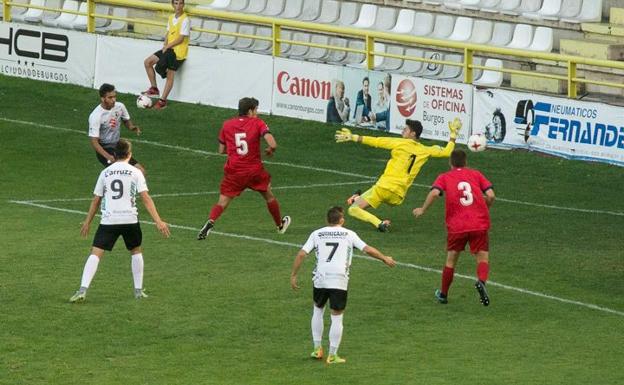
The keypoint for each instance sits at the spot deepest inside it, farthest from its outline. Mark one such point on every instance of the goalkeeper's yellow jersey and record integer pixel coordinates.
(407, 158)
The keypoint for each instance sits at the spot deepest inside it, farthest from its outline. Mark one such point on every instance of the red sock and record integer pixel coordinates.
(483, 269)
(274, 209)
(447, 279)
(215, 212)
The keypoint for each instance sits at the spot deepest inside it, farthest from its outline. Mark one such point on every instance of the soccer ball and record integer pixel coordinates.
(477, 143)
(144, 101)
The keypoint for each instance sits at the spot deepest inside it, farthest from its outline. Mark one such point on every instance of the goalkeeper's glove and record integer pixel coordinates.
(454, 128)
(345, 135)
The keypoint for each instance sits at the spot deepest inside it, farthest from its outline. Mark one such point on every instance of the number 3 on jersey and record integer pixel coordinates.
(467, 198)
(241, 144)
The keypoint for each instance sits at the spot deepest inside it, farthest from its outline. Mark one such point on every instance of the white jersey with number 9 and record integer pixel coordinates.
(118, 185)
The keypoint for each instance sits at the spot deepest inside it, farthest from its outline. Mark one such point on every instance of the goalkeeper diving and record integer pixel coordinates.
(407, 156)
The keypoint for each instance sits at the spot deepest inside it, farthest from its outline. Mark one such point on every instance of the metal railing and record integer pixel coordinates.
(369, 38)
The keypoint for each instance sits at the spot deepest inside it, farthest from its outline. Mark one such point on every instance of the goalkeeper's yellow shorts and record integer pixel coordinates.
(376, 195)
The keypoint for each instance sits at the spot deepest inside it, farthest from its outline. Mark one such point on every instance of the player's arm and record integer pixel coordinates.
(295, 268)
(151, 209)
(178, 40)
(95, 143)
(490, 197)
(345, 135)
(95, 202)
(373, 252)
(132, 127)
(271, 143)
(431, 197)
(221, 148)
(438, 152)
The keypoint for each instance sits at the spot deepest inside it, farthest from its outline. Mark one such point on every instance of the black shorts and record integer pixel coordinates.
(111, 150)
(107, 235)
(166, 61)
(337, 298)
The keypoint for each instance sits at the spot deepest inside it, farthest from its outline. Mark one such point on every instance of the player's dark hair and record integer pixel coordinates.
(458, 158)
(106, 88)
(334, 215)
(123, 149)
(366, 79)
(247, 104)
(415, 126)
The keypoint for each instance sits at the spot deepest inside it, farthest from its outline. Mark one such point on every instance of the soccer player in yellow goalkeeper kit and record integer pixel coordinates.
(408, 155)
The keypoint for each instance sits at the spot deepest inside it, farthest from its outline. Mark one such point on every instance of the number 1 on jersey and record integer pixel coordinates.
(241, 144)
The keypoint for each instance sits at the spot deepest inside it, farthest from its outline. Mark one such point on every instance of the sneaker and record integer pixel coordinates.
(80, 296)
(160, 104)
(384, 226)
(334, 359)
(353, 197)
(480, 286)
(284, 226)
(317, 353)
(441, 297)
(152, 91)
(203, 233)
(139, 293)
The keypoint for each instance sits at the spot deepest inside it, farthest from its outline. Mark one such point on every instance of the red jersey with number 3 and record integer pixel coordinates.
(241, 137)
(466, 209)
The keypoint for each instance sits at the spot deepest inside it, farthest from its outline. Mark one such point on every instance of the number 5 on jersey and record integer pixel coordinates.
(241, 144)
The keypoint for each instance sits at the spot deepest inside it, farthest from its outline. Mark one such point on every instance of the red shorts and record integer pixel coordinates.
(478, 240)
(233, 185)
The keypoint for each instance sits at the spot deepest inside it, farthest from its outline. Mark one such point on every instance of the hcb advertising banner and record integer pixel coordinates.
(309, 91)
(434, 103)
(50, 54)
(568, 128)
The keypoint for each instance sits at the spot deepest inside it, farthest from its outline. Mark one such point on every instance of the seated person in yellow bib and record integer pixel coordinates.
(408, 155)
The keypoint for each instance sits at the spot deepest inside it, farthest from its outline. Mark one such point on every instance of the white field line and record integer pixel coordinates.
(407, 265)
(208, 153)
(195, 193)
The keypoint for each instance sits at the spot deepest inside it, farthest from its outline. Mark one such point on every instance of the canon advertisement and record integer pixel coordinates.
(40, 53)
(563, 127)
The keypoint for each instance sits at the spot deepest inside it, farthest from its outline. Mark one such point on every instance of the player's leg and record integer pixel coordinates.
(261, 182)
(162, 102)
(479, 246)
(337, 303)
(370, 198)
(320, 297)
(448, 274)
(133, 237)
(215, 213)
(149, 64)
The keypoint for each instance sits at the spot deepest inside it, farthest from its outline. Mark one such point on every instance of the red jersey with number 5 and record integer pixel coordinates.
(241, 137)
(466, 209)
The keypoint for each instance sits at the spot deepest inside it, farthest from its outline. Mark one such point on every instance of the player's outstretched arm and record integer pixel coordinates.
(454, 127)
(271, 143)
(84, 229)
(373, 252)
(431, 197)
(132, 127)
(345, 135)
(151, 209)
(295, 269)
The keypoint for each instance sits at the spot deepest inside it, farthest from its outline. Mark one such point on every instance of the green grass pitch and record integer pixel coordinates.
(221, 311)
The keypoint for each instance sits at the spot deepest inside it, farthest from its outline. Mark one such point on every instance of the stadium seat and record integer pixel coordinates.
(444, 25)
(80, 22)
(569, 9)
(490, 6)
(482, 31)
(423, 24)
(378, 47)
(412, 66)
(219, 4)
(273, 8)
(116, 25)
(528, 6)
(367, 17)
(354, 58)
(522, 37)
(262, 46)
(255, 7)
(405, 21)
(386, 19)
(389, 63)
(31, 15)
(466, 4)
(543, 40)
(591, 10)
(16, 11)
(207, 39)
(239, 43)
(449, 72)
(292, 9)
(236, 5)
(472, 5)
(224, 41)
(297, 50)
(349, 13)
(310, 11)
(337, 56)
(549, 8)
(490, 78)
(509, 7)
(65, 18)
(501, 34)
(330, 12)
(317, 53)
(462, 30)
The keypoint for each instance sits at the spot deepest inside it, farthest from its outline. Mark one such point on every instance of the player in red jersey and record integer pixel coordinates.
(240, 140)
(469, 196)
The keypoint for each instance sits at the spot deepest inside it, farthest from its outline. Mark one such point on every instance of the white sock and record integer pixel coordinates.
(335, 333)
(90, 268)
(317, 325)
(137, 270)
